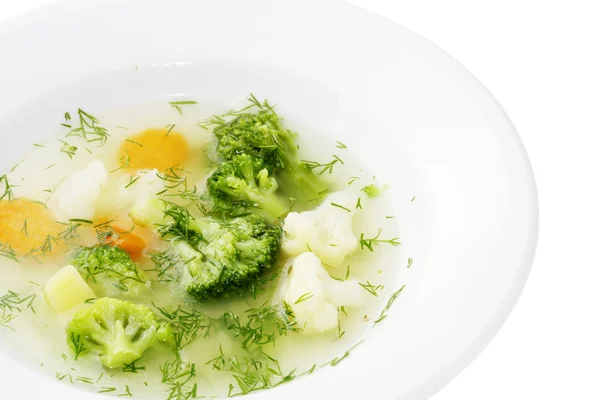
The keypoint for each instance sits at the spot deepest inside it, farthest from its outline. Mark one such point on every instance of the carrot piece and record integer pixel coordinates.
(128, 236)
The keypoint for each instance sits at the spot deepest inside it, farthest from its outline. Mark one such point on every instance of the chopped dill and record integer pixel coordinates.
(304, 297)
(169, 128)
(177, 376)
(134, 142)
(38, 145)
(410, 262)
(12, 304)
(105, 389)
(391, 301)
(132, 180)
(177, 105)
(8, 193)
(252, 374)
(50, 166)
(309, 371)
(173, 178)
(85, 379)
(24, 228)
(358, 204)
(413, 199)
(369, 243)
(348, 272)
(389, 217)
(342, 207)
(132, 368)
(15, 167)
(67, 148)
(81, 221)
(127, 392)
(328, 167)
(341, 145)
(78, 346)
(89, 129)
(372, 289)
(338, 360)
(352, 180)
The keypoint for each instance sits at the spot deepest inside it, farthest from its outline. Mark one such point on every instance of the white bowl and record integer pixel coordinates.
(413, 114)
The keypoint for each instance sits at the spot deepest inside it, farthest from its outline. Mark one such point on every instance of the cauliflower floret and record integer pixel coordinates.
(146, 185)
(326, 231)
(76, 195)
(314, 296)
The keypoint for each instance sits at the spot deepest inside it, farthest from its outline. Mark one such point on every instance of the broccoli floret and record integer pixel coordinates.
(118, 331)
(262, 135)
(246, 179)
(229, 258)
(216, 256)
(110, 271)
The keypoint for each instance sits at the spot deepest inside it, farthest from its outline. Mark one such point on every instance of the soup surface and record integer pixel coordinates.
(164, 253)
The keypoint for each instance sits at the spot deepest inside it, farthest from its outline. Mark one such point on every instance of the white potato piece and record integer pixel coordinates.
(326, 231)
(76, 195)
(66, 289)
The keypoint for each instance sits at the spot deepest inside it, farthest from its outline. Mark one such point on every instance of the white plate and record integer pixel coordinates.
(416, 117)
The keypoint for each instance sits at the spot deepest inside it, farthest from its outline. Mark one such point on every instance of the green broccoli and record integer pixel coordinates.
(110, 271)
(231, 256)
(261, 135)
(246, 179)
(216, 256)
(118, 331)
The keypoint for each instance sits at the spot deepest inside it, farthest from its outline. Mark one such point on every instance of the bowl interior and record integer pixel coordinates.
(459, 179)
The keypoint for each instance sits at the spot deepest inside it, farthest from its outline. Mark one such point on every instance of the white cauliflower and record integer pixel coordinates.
(76, 195)
(146, 185)
(326, 231)
(314, 296)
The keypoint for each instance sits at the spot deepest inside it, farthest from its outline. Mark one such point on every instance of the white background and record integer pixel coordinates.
(541, 59)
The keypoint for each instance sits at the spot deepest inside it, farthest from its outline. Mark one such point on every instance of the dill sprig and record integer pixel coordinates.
(78, 345)
(177, 376)
(389, 304)
(45, 247)
(188, 324)
(12, 304)
(173, 178)
(368, 243)
(7, 193)
(164, 262)
(89, 129)
(132, 368)
(222, 119)
(7, 251)
(252, 374)
(262, 326)
(327, 167)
